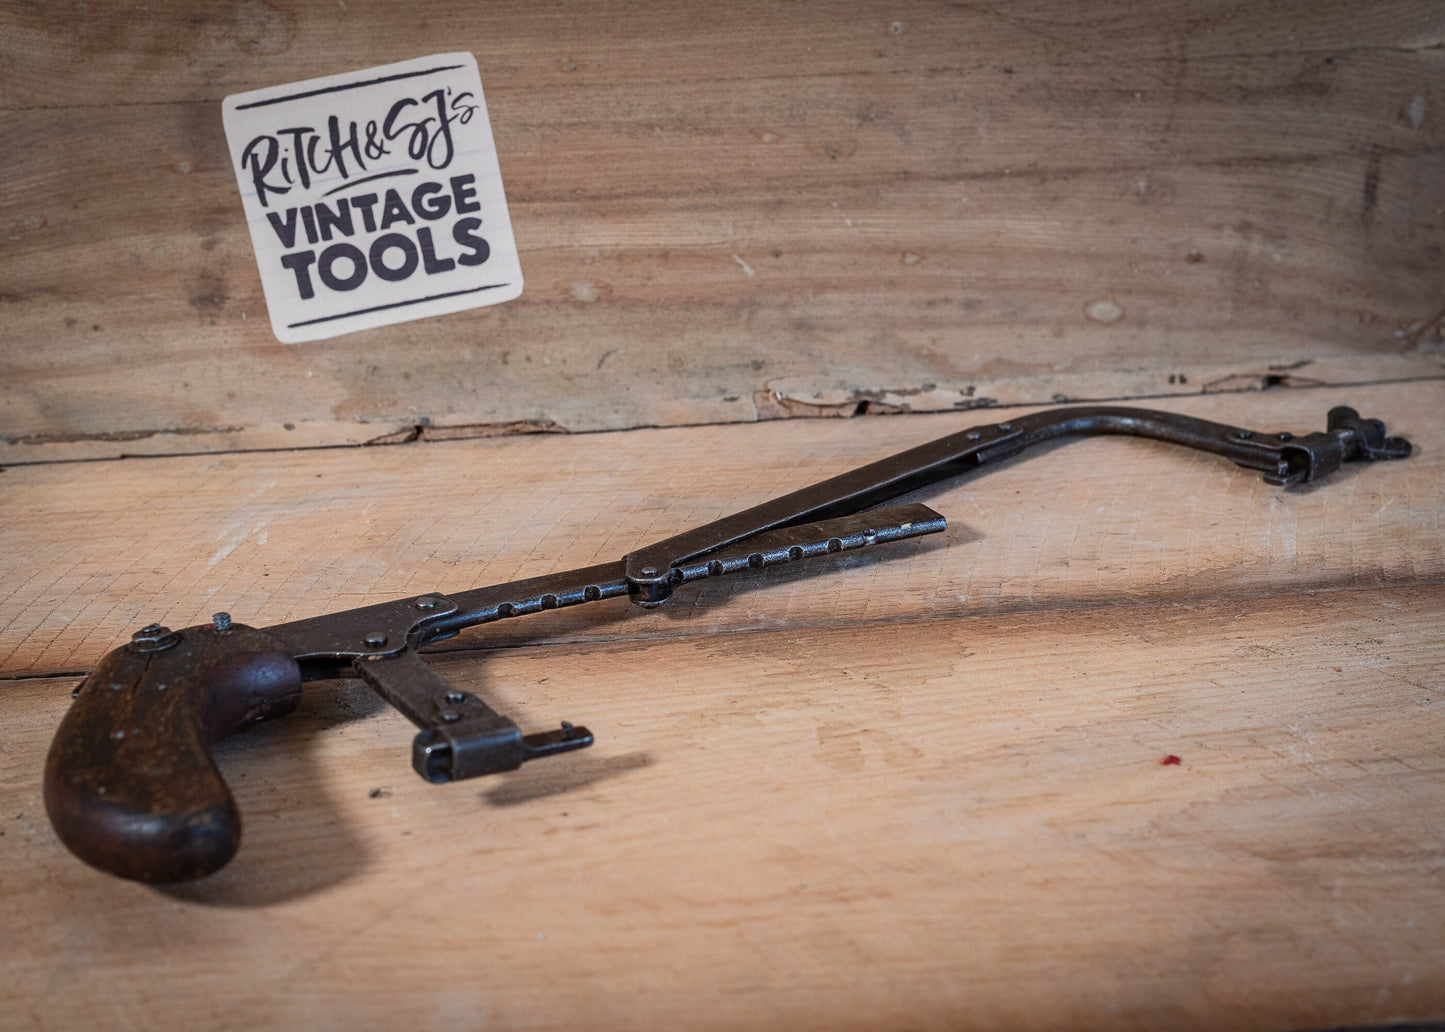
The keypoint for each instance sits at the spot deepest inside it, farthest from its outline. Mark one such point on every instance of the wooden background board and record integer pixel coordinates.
(922, 788)
(738, 212)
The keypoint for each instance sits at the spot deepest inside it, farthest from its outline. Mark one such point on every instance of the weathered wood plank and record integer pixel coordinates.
(90, 551)
(751, 213)
(945, 823)
(172, 54)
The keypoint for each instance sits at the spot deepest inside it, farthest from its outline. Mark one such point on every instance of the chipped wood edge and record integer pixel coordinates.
(784, 398)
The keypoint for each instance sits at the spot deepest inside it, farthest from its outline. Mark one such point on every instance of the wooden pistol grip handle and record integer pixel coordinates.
(130, 783)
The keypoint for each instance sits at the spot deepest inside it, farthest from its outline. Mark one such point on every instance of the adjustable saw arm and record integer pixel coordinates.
(132, 787)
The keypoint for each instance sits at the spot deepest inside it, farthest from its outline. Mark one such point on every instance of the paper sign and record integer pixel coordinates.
(373, 197)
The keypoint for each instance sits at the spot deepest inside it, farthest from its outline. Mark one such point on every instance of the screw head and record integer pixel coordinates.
(153, 638)
(221, 621)
(428, 602)
(374, 639)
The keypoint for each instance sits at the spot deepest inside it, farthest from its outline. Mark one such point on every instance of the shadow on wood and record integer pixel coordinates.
(294, 843)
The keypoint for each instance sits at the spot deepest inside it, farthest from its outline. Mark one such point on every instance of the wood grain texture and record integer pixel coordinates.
(90, 551)
(755, 211)
(923, 791)
(936, 823)
(923, 787)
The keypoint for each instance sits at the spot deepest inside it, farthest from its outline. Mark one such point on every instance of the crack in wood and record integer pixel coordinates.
(465, 431)
(118, 435)
(858, 402)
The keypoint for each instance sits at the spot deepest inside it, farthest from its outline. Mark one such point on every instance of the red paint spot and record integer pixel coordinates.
(1171, 761)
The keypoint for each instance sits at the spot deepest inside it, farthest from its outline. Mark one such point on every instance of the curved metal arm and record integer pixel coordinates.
(1284, 459)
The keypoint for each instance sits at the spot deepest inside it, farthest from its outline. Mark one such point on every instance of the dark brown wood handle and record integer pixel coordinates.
(130, 782)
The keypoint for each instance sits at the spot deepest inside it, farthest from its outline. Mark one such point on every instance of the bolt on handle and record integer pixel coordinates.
(131, 784)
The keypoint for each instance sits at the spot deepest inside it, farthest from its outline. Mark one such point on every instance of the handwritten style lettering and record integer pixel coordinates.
(298, 155)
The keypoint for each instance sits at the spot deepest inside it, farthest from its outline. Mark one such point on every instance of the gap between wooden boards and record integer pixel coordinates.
(426, 433)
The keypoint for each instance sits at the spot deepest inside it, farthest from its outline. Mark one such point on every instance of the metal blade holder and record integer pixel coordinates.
(462, 737)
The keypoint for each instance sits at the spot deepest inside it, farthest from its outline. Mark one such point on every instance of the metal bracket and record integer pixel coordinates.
(461, 736)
